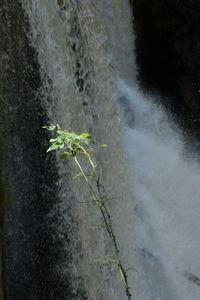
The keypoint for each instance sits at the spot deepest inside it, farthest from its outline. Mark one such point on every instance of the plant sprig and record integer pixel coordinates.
(72, 146)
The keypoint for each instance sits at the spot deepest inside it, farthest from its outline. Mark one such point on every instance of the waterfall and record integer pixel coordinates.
(75, 66)
(77, 57)
(165, 184)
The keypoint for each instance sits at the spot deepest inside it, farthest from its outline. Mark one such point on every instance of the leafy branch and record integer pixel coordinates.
(73, 146)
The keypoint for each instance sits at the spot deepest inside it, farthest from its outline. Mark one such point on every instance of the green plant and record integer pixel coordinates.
(73, 146)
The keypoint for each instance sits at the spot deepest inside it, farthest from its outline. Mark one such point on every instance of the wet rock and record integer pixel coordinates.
(167, 52)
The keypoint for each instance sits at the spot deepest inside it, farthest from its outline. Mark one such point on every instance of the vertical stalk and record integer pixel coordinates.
(100, 202)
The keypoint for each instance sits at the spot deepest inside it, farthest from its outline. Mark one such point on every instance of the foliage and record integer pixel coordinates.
(72, 146)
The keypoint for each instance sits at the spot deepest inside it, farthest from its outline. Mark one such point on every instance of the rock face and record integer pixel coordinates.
(168, 54)
(2, 279)
(23, 169)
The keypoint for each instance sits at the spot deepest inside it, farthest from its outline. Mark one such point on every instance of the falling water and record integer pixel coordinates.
(75, 48)
(165, 183)
(84, 77)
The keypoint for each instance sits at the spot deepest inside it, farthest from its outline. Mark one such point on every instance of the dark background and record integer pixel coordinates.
(168, 56)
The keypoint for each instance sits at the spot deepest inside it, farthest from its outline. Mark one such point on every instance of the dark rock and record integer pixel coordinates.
(167, 52)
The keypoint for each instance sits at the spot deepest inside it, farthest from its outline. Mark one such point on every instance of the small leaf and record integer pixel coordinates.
(86, 134)
(103, 145)
(53, 140)
(53, 147)
(60, 146)
(65, 155)
(50, 127)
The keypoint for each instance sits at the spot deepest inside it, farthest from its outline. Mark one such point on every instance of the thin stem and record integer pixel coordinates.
(82, 172)
(89, 157)
(106, 220)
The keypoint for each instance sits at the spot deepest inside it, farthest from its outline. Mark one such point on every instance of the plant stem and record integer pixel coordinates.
(100, 202)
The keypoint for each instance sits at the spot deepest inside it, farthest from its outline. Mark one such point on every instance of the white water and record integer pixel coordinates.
(164, 205)
(166, 189)
(54, 31)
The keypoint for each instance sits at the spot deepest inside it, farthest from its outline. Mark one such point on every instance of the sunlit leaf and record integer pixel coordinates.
(53, 140)
(53, 147)
(61, 146)
(50, 127)
(86, 134)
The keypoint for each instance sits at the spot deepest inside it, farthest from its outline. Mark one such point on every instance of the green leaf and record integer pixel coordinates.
(60, 139)
(58, 127)
(86, 134)
(61, 146)
(65, 155)
(53, 140)
(103, 146)
(53, 147)
(50, 127)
